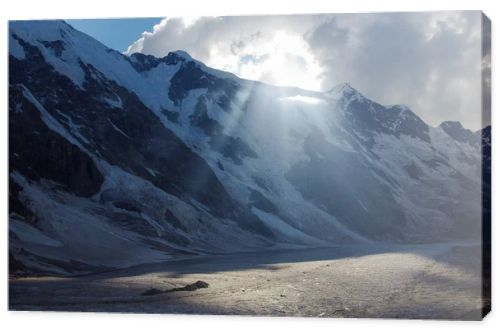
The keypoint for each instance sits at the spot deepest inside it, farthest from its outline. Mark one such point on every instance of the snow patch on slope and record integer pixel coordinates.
(284, 229)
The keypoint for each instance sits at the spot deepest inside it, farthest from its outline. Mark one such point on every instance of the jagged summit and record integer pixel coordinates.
(143, 62)
(343, 88)
(401, 107)
(50, 31)
(181, 54)
(451, 125)
(456, 130)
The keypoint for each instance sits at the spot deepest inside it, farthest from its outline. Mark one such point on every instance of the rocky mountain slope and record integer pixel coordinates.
(118, 160)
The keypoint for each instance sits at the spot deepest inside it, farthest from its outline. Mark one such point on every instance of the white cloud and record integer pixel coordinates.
(259, 48)
(429, 61)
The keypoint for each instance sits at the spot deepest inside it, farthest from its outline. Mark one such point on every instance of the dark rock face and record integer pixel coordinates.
(486, 183)
(56, 46)
(202, 120)
(18, 205)
(40, 153)
(369, 117)
(486, 214)
(230, 147)
(171, 115)
(130, 136)
(486, 152)
(190, 76)
(401, 120)
(142, 62)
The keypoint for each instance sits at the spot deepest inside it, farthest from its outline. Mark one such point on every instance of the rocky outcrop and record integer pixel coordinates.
(38, 152)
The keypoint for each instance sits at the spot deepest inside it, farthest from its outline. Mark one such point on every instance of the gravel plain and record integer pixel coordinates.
(440, 281)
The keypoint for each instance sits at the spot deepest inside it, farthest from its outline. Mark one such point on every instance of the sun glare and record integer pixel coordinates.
(283, 59)
(303, 99)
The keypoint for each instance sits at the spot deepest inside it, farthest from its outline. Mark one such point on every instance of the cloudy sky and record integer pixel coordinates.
(428, 61)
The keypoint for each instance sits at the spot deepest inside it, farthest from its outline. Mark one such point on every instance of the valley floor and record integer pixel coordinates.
(424, 281)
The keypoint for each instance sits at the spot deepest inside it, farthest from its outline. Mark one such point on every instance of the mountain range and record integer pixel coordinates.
(118, 160)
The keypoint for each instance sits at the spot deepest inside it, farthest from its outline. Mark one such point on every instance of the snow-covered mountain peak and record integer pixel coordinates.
(451, 125)
(181, 54)
(456, 130)
(343, 89)
(346, 94)
(402, 107)
(41, 30)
